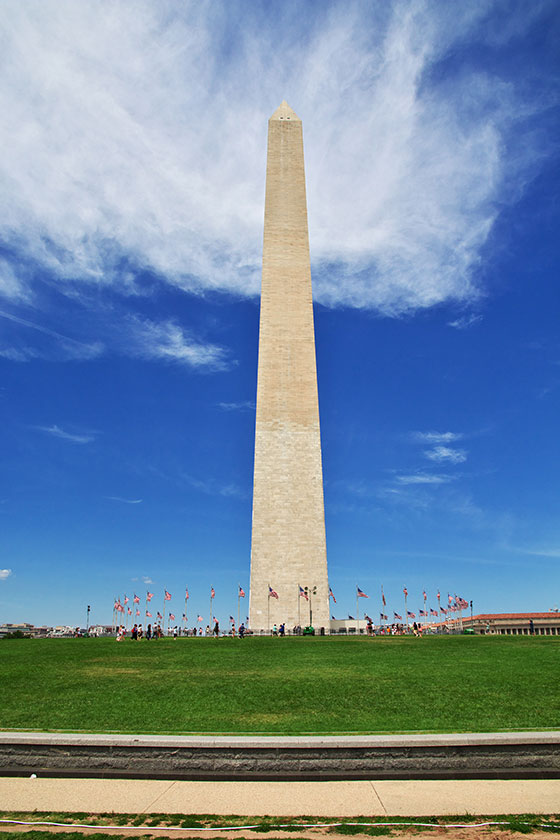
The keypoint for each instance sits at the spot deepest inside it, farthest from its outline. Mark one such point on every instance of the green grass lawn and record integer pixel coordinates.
(271, 685)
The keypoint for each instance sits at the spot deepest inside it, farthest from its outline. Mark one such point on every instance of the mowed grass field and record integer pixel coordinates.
(281, 686)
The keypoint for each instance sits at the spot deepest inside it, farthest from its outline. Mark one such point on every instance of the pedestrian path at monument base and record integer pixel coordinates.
(318, 799)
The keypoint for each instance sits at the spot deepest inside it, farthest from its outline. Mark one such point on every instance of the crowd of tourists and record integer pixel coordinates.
(137, 632)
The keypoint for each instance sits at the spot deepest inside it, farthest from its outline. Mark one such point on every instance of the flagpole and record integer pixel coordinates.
(406, 607)
(238, 604)
(163, 617)
(211, 628)
(268, 610)
(298, 605)
(357, 611)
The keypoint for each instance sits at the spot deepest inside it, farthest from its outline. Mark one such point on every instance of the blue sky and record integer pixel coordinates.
(132, 178)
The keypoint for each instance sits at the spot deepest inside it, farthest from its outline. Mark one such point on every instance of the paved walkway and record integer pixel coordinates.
(319, 799)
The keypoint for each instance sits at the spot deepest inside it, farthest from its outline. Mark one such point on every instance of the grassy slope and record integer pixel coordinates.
(270, 685)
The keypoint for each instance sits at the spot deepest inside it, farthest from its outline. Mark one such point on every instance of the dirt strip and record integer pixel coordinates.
(486, 833)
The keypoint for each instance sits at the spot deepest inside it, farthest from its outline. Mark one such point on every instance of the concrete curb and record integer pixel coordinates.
(470, 755)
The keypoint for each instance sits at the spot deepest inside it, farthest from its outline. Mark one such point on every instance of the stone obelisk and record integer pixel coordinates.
(288, 542)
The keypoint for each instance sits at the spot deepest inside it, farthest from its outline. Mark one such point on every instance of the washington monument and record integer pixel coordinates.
(288, 548)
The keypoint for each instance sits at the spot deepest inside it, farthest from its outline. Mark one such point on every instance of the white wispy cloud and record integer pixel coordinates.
(169, 341)
(18, 354)
(437, 437)
(464, 322)
(424, 478)
(11, 286)
(57, 432)
(5, 573)
(147, 580)
(243, 405)
(60, 345)
(125, 501)
(132, 137)
(214, 487)
(441, 454)
(540, 552)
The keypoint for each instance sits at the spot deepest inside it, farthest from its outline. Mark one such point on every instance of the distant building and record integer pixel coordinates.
(23, 627)
(515, 624)
(490, 624)
(100, 630)
(62, 630)
(347, 626)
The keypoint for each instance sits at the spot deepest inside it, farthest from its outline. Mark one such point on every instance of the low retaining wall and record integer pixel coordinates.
(501, 755)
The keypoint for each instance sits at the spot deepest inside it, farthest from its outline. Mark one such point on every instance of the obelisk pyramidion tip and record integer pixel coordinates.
(284, 112)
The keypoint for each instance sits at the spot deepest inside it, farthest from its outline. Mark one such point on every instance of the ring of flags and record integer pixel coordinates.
(454, 603)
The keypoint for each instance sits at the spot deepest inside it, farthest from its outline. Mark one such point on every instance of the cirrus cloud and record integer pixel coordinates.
(134, 139)
(442, 454)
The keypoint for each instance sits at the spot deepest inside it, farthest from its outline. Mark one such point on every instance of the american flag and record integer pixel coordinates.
(129, 611)
(383, 617)
(120, 607)
(212, 592)
(397, 616)
(186, 594)
(444, 611)
(231, 618)
(360, 593)
(126, 600)
(405, 590)
(159, 615)
(449, 599)
(136, 599)
(167, 596)
(272, 593)
(410, 614)
(116, 605)
(137, 612)
(367, 618)
(184, 617)
(303, 594)
(331, 595)
(351, 617)
(438, 596)
(434, 612)
(383, 597)
(241, 592)
(425, 596)
(171, 617)
(200, 618)
(149, 596)
(148, 614)
(422, 612)
(462, 604)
